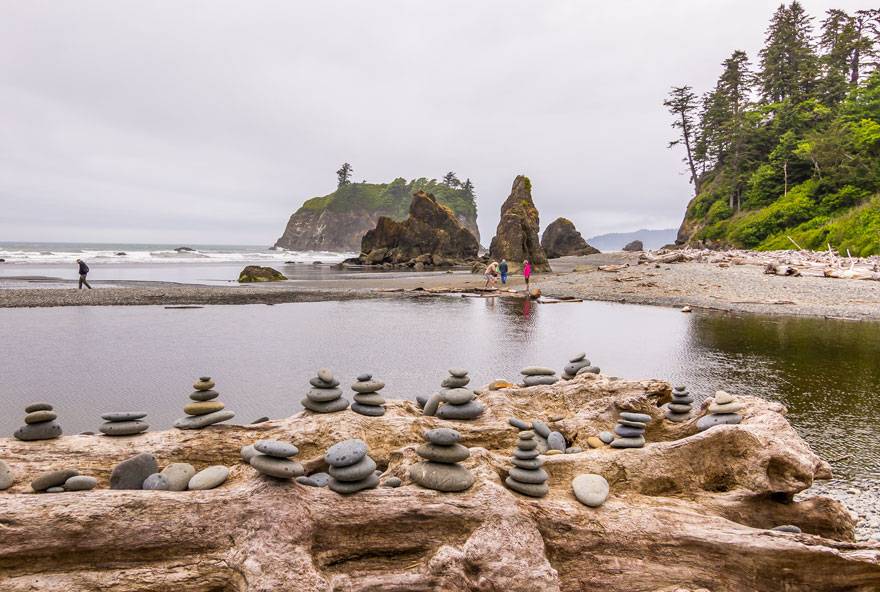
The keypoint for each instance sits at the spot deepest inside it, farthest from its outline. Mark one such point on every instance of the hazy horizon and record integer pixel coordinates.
(176, 123)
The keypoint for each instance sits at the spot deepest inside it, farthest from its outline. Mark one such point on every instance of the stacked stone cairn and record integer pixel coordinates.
(535, 375)
(454, 401)
(578, 364)
(273, 459)
(367, 400)
(679, 409)
(630, 430)
(440, 470)
(39, 423)
(204, 410)
(325, 395)
(123, 423)
(722, 411)
(527, 477)
(351, 468)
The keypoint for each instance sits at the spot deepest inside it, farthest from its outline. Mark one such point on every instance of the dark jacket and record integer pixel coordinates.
(83, 268)
(503, 267)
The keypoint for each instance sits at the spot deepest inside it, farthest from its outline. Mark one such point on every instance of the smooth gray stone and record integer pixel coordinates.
(540, 428)
(38, 431)
(392, 482)
(201, 396)
(451, 382)
(534, 476)
(354, 472)
(369, 386)
(80, 483)
(248, 452)
(277, 467)
(529, 489)
(433, 403)
(442, 436)
(157, 482)
(573, 450)
(530, 444)
(441, 477)
(195, 422)
(328, 407)
(40, 417)
(540, 380)
(542, 444)
(589, 370)
(628, 432)
(39, 406)
(370, 399)
(178, 475)
(537, 371)
(325, 374)
(709, 421)
(532, 463)
(470, 410)
(123, 428)
(632, 424)
(364, 377)
(55, 490)
(628, 442)
(676, 408)
(324, 395)
(606, 436)
(556, 441)
(682, 400)
(526, 454)
(320, 479)
(527, 434)
(787, 528)
(263, 419)
(457, 396)
(368, 410)
(209, 478)
(276, 448)
(458, 372)
(421, 400)
(677, 417)
(579, 357)
(303, 480)
(716, 409)
(7, 478)
(123, 415)
(443, 454)
(571, 370)
(349, 487)
(345, 453)
(680, 389)
(320, 384)
(590, 489)
(56, 478)
(131, 473)
(632, 416)
(567, 376)
(519, 424)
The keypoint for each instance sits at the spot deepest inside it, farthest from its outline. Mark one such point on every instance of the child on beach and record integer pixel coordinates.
(527, 273)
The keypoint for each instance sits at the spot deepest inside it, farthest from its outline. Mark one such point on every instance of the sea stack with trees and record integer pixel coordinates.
(516, 238)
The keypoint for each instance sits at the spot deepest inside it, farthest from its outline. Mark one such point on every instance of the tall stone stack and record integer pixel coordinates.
(679, 409)
(205, 409)
(273, 459)
(39, 423)
(535, 375)
(440, 470)
(527, 477)
(325, 396)
(723, 410)
(367, 400)
(454, 401)
(351, 468)
(578, 364)
(630, 430)
(124, 423)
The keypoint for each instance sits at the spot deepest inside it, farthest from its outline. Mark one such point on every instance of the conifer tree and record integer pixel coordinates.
(789, 65)
(343, 175)
(682, 104)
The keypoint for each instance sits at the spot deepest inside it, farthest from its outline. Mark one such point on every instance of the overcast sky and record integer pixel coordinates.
(211, 122)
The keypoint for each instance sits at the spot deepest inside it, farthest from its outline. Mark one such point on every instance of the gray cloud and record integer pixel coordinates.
(210, 122)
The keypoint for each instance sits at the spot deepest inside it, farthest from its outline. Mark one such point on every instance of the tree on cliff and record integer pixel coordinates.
(468, 187)
(682, 104)
(343, 175)
(450, 180)
(789, 64)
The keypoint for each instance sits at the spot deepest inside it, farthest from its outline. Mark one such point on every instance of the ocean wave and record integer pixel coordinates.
(122, 255)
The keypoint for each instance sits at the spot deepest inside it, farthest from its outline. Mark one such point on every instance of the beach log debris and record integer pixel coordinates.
(673, 507)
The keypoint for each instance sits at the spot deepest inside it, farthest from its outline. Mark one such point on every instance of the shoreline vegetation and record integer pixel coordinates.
(718, 283)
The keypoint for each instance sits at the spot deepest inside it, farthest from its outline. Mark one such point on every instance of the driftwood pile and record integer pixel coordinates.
(787, 263)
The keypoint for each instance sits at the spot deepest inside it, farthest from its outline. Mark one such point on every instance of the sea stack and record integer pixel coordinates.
(123, 423)
(535, 375)
(516, 238)
(325, 396)
(679, 409)
(561, 239)
(367, 400)
(205, 410)
(39, 423)
(440, 471)
(723, 410)
(630, 430)
(527, 477)
(454, 402)
(351, 468)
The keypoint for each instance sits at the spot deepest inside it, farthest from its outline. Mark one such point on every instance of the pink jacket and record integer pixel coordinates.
(527, 270)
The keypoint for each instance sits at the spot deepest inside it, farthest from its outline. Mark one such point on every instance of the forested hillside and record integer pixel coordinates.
(788, 149)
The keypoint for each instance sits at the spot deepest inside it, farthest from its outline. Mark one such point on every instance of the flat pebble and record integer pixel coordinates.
(80, 483)
(209, 478)
(519, 424)
(392, 482)
(325, 374)
(537, 371)
(540, 428)
(346, 453)
(458, 372)
(123, 415)
(7, 478)
(40, 416)
(201, 421)
(178, 475)
(457, 396)
(276, 448)
(441, 477)
(56, 478)
(443, 454)
(34, 407)
(273, 466)
(632, 416)
(606, 436)
(442, 436)
(354, 472)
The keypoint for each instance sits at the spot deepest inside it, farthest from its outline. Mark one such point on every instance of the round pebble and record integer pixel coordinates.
(368, 410)
(345, 453)
(207, 395)
(156, 482)
(541, 428)
(325, 374)
(442, 436)
(276, 448)
(723, 397)
(80, 483)
(443, 454)
(530, 489)
(470, 410)
(318, 383)
(632, 416)
(590, 489)
(194, 422)
(458, 372)
(7, 478)
(325, 407)
(368, 386)
(55, 490)
(441, 476)
(579, 357)
(209, 478)
(178, 475)
(606, 437)
(392, 482)
(537, 371)
(204, 384)
(364, 377)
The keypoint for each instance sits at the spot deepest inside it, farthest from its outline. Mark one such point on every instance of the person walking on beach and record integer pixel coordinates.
(491, 274)
(527, 273)
(83, 272)
(502, 268)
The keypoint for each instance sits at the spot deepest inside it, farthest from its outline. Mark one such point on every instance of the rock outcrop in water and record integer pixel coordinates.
(258, 273)
(561, 239)
(674, 507)
(516, 238)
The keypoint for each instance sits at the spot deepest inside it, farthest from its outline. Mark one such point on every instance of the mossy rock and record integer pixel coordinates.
(256, 273)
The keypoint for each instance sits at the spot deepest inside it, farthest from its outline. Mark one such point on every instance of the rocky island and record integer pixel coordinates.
(516, 238)
(562, 239)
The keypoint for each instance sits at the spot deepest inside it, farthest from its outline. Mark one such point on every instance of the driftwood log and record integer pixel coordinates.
(688, 511)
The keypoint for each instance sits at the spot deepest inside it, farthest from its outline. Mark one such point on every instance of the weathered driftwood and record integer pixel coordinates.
(689, 510)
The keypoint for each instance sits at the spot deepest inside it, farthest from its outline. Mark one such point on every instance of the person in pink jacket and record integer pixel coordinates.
(527, 272)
